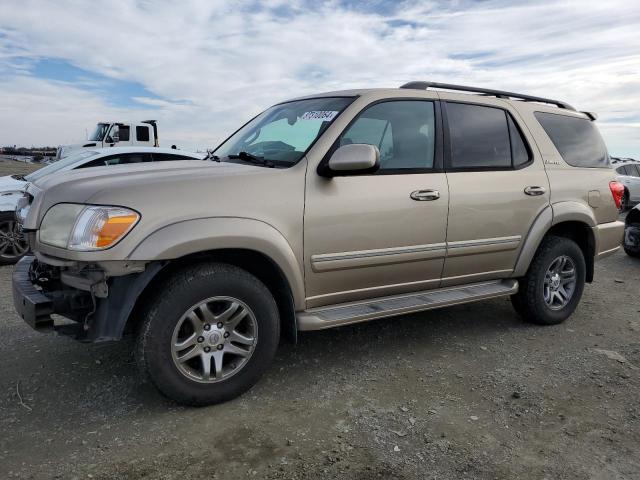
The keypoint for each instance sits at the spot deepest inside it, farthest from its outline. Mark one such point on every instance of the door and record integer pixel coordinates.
(497, 187)
(631, 181)
(384, 233)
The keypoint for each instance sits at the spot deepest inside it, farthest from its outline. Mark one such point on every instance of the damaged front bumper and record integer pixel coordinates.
(98, 306)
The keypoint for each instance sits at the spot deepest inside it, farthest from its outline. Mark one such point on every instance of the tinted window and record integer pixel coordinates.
(124, 133)
(479, 136)
(169, 157)
(403, 131)
(519, 152)
(621, 171)
(118, 160)
(576, 139)
(142, 134)
(631, 170)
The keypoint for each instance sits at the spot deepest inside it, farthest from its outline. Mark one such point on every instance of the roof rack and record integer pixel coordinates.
(486, 91)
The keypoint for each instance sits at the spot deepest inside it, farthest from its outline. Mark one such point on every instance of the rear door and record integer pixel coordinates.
(497, 187)
(632, 182)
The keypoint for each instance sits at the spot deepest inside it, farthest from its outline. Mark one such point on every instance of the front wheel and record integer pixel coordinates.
(209, 334)
(551, 290)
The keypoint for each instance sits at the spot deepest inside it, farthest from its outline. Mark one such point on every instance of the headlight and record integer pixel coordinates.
(85, 228)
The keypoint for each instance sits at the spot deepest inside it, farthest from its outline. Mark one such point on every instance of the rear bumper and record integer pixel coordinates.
(608, 238)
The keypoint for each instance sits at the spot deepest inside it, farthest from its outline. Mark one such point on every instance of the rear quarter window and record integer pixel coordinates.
(576, 139)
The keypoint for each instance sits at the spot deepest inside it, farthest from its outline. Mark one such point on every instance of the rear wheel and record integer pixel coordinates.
(13, 245)
(551, 290)
(632, 239)
(209, 334)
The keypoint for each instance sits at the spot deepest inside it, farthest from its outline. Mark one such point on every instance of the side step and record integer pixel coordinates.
(354, 312)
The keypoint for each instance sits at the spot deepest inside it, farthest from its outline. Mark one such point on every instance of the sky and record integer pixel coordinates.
(204, 67)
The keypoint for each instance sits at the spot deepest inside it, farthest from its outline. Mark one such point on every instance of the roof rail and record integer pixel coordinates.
(486, 91)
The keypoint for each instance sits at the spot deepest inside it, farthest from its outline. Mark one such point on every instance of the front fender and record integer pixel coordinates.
(9, 200)
(201, 235)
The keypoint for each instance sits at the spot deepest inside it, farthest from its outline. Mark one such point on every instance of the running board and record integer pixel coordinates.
(354, 312)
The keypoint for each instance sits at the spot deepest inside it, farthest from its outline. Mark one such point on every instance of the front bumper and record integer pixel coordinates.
(30, 303)
(94, 319)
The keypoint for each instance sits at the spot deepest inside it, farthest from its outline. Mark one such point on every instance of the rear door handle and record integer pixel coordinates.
(535, 191)
(425, 195)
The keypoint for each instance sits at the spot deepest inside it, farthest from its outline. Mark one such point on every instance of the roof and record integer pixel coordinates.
(445, 88)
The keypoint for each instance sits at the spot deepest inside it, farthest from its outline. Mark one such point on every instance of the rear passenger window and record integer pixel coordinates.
(631, 170)
(142, 134)
(576, 139)
(484, 137)
(169, 157)
(403, 131)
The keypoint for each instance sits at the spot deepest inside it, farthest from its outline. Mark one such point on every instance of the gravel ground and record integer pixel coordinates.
(466, 392)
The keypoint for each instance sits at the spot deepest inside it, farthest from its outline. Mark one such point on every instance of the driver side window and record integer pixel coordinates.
(403, 131)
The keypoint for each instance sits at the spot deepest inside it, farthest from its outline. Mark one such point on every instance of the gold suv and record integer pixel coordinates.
(322, 211)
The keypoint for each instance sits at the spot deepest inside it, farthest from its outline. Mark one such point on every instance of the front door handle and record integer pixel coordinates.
(535, 191)
(425, 195)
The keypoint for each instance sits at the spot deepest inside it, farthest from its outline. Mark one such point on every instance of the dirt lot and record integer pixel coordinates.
(468, 392)
(10, 167)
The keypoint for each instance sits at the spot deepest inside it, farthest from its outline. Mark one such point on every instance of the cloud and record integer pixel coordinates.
(207, 66)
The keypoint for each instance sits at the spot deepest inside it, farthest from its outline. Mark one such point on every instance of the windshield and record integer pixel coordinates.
(59, 165)
(99, 133)
(283, 133)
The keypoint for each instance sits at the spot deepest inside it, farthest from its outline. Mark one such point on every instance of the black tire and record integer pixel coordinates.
(625, 204)
(173, 299)
(632, 240)
(529, 302)
(10, 252)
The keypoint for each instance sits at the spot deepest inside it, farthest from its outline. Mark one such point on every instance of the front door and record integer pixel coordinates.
(380, 234)
(497, 187)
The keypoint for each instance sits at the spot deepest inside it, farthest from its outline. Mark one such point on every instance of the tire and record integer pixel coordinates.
(626, 202)
(632, 240)
(531, 303)
(187, 382)
(12, 245)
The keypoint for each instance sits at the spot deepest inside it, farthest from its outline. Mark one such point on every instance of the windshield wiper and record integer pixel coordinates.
(17, 177)
(211, 156)
(248, 157)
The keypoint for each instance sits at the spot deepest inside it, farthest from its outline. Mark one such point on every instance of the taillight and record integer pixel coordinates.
(617, 190)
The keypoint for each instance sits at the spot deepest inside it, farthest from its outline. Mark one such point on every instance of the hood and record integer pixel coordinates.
(9, 184)
(176, 189)
(91, 181)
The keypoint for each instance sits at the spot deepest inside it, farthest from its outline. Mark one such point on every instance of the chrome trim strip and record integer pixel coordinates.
(484, 241)
(329, 257)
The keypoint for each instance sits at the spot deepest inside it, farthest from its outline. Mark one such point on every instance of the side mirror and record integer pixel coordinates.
(354, 159)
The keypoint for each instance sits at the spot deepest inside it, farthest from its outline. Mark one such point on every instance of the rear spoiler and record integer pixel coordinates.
(155, 131)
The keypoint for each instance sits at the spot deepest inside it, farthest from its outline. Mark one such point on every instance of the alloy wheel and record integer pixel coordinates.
(13, 245)
(214, 339)
(559, 282)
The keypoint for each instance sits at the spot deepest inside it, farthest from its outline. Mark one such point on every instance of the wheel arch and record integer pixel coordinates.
(252, 261)
(569, 222)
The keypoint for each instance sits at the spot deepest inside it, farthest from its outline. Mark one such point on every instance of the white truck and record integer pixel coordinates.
(109, 134)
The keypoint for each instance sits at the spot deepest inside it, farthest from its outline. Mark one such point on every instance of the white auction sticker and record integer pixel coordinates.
(324, 115)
